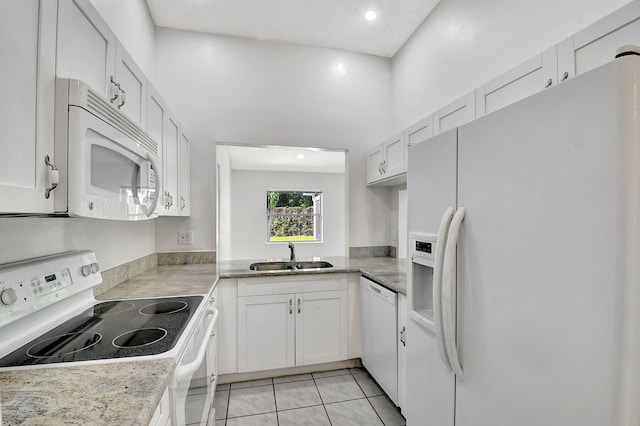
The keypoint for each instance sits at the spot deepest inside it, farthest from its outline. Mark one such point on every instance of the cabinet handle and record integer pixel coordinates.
(298, 305)
(403, 336)
(549, 83)
(115, 92)
(565, 76)
(290, 306)
(53, 177)
(183, 203)
(123, 98)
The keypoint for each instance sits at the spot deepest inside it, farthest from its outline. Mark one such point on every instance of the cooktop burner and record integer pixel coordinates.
(114, 329)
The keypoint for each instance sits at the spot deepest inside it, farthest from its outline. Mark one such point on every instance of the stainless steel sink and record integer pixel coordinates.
(314, 264)
(287, 266)
(271, 266)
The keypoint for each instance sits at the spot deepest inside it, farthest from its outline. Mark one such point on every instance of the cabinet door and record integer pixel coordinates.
(374, 164)
(155, 124)
(266, 332)
(86, 46)
(133, 83)
(402, 350)
(455, 114)
(27, 46)
(321, 327)
(419, 132)
(394, 156)
(185, 176)
(597, 44)
(170, 163)
(520, 82)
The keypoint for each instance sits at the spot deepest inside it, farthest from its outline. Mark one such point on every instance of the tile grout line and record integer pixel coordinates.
(366, 397)
(321, 400)
(275, 401)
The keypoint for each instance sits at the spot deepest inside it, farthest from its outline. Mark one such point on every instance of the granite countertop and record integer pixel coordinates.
(122, 393)
(386, 271)
(128, 392)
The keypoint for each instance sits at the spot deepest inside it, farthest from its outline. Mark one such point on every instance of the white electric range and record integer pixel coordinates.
(49, 317)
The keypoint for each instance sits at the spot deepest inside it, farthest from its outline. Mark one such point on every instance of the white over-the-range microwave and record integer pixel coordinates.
(106, 162)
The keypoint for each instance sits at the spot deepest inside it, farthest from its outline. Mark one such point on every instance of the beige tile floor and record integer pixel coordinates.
(348, 397)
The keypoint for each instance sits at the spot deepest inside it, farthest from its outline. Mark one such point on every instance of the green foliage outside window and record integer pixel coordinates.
(294, 216)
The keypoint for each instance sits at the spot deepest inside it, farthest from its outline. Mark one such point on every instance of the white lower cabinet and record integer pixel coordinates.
(291, 321)
(266, 332)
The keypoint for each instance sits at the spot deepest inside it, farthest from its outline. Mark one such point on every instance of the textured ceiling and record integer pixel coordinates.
(337, 24)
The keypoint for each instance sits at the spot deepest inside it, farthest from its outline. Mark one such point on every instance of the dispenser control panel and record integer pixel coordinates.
(423, 248)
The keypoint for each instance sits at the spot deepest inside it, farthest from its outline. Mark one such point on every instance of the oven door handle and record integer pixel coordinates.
(185, 371)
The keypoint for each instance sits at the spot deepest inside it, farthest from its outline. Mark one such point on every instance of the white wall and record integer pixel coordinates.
(249, 223)
(465, 43)
(114, 242)
(234, 90)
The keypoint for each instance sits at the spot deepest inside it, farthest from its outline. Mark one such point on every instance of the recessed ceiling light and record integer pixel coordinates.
(370, 15)
(300, 156)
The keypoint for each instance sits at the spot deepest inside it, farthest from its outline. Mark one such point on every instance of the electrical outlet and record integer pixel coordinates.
(185, 237)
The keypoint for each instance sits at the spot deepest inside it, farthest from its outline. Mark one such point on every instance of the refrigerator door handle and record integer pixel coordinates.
(449, 292)
(437, 285)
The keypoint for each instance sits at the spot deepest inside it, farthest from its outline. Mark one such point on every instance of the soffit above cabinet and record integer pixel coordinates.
(337, 24)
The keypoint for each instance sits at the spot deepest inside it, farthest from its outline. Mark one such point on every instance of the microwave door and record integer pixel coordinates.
(148, 192)
(114, 177)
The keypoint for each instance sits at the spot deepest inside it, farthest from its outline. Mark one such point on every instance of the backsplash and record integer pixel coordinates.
(372, 251)
(186, 257)
(121, 273)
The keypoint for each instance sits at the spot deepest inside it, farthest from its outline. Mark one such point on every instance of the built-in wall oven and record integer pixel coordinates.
(49, 317)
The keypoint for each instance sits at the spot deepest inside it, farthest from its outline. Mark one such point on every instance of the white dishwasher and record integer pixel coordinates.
(379, 335)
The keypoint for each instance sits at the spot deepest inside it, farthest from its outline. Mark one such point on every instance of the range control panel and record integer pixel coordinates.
(30, 285)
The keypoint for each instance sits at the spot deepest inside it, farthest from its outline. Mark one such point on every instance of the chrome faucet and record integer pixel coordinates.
(293, 251)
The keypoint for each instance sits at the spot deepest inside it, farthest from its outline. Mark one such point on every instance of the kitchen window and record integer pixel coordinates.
(294, 216)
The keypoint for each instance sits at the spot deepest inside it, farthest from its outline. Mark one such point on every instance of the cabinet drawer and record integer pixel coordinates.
(291, 284)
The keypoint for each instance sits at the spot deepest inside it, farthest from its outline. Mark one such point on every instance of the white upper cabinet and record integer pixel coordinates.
(184, 169)
(387, 162)
(133, 87)
(89, 51)
(86, 46)
(170, 161)
(455, 114)
(27, 48)
(419, 132)
(518, 83)
(156, 126)
(597, 44)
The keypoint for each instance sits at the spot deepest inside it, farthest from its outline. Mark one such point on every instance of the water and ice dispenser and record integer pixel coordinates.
(420, 295)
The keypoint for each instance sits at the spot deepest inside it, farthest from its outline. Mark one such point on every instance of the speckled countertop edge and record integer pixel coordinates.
(116, 393)
(386, 271)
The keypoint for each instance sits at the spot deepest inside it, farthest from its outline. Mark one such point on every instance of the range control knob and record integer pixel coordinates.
(8, 296)
(86, 270)
(95, 267)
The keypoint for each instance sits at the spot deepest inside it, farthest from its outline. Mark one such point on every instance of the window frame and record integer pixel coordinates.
(320, 215)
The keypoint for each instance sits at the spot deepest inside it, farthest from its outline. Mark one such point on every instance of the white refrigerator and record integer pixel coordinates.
(535, 320)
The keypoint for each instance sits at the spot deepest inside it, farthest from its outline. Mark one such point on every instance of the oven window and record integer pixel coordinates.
(113, 172)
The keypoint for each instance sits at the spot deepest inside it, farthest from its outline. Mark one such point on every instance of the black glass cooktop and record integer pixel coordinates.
(114, 329)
